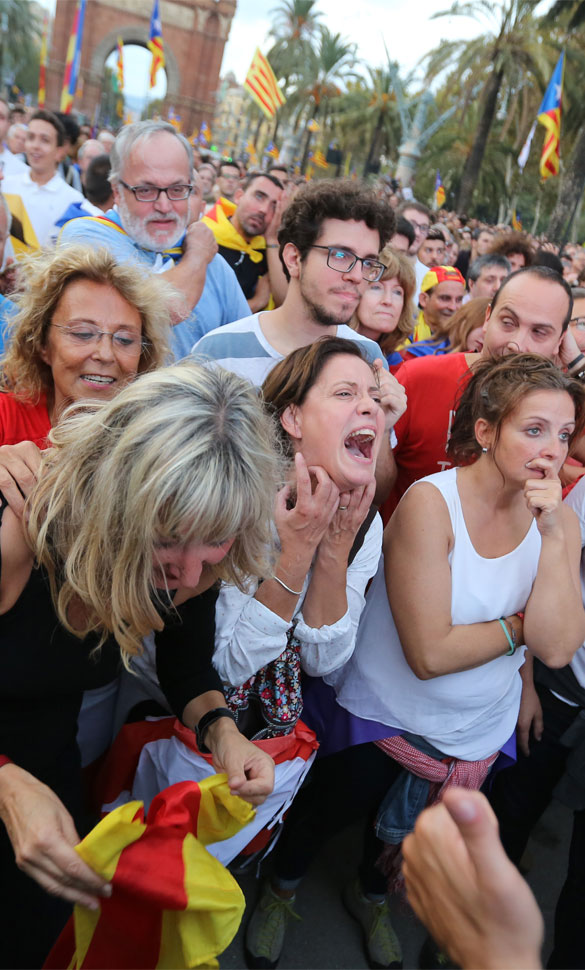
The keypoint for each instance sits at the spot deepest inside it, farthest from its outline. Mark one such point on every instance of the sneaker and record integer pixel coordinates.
(381, 943)
(265, 933)
(433, 958)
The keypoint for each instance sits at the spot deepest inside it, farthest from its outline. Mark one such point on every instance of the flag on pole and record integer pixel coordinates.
(516, 220)
(318, 159)
(120, 65)
(312, 125)
(262, 86)
(523, 156)
(272, 150)
(155, 44)
(73, 59)
(439, 191)
(549, 115)
(204, 136)
(43, 62)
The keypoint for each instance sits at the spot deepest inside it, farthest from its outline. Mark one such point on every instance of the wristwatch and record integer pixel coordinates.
(577, 367)
(206, 721)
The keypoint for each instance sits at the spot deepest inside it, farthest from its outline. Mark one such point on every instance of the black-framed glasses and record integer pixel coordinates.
(578, 322)
(89, 335)
(343, 261)
(150, 193)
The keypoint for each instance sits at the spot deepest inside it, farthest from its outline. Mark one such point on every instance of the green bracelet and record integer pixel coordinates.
(511, 639)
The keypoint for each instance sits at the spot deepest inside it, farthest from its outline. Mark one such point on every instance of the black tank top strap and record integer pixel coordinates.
(3, 504)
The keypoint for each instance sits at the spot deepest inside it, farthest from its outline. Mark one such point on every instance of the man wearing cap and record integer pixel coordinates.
(441, 294)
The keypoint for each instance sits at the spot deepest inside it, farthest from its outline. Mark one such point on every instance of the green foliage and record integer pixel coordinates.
(20, 41)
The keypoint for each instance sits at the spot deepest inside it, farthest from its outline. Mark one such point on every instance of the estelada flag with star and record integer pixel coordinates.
(549, 115)
(262, 86)
(155, 44)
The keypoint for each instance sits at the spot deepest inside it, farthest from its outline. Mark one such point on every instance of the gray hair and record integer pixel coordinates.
(18, 125)
(578, 292)
(131, 135)
(488, 259)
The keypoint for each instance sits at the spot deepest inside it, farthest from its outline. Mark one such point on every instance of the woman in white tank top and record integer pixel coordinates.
(466, 552)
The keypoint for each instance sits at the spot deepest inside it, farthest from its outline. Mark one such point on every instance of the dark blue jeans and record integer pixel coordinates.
(519, 796)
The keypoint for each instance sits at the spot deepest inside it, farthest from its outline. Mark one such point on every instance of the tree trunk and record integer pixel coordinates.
(473, 162)
(374, 143)
(305, 157)
(570, 192)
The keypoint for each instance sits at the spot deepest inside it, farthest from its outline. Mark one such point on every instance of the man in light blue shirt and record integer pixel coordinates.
(156, 194)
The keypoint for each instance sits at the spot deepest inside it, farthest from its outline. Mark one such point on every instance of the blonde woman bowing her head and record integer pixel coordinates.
(140, 506)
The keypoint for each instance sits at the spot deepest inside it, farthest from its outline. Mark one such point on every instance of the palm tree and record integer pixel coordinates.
(20, 31)
(369, 111)
(293, 31)
(333, 60)
(514, 49)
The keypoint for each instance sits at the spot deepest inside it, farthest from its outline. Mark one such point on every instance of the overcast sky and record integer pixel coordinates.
(404, 25)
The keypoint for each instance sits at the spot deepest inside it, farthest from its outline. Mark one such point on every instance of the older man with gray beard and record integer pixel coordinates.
(154, 222)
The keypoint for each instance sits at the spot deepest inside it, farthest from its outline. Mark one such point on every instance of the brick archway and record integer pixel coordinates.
(135, 34)
(194, 37)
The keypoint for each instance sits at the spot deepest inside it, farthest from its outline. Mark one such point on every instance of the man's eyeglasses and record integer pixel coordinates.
(578, 322)
(150, 193)
(343, 261)
(88, 335)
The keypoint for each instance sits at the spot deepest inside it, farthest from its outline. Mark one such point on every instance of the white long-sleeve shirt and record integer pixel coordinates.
(249, 635)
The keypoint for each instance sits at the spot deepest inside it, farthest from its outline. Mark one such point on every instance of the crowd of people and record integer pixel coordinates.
(282, 455)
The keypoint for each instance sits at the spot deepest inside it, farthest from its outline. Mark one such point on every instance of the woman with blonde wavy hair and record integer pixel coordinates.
(85, 326)
(385, 311)
(139, 508)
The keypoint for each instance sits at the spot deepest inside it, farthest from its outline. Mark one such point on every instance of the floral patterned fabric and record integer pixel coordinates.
(270, 702)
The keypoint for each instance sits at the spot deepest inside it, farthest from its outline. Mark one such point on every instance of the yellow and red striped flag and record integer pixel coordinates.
(262, 86)
(155, 44)
(73, 61)
(178, 906)
(43, 62)
(120, 65)
(549, 115)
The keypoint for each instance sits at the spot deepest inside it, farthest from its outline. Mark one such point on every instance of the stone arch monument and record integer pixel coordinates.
(194, 36)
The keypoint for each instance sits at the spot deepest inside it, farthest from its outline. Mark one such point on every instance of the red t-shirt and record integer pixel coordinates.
(432, 385)
(20, 421)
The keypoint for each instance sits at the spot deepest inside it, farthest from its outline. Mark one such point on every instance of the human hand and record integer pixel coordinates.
(249, 769)
(8, 276)
(544, 495)
(43, 837)
(352, 510)
(464, 888)
(568, 350)
(19, 468)
(199, 245)
(271, 234)
(301, 528)
(392, 394)
(530, 713)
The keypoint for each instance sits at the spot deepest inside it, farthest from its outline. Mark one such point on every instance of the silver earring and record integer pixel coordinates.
(485, 451)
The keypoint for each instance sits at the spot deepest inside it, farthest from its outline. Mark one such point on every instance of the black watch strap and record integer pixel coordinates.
(579, 359)
(206, 721)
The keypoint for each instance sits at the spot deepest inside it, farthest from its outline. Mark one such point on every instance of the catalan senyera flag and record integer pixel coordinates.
(549, 115)
(262, 86)
(178, 906)
(43, 62)
(517, 220)
(271, 150)
(73, 60)
(120, 65)
(155, 44)
(439, 191)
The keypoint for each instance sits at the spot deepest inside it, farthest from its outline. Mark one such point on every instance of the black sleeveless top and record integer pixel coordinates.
(44, 671)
